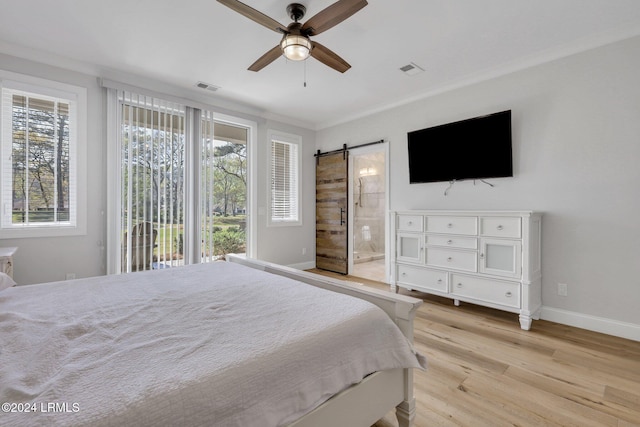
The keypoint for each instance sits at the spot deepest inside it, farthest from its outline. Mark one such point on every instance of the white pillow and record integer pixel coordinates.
(6, 281)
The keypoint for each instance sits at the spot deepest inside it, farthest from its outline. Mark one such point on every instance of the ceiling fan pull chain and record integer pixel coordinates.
(305, 73)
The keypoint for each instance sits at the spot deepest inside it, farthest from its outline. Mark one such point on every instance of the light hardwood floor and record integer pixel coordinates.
(485, 371)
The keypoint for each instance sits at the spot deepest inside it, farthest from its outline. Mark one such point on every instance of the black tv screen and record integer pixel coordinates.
(476, 148)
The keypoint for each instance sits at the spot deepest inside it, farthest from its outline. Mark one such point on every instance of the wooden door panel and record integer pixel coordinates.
(331, 212)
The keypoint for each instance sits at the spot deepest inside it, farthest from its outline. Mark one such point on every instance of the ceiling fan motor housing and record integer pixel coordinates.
(296, 11)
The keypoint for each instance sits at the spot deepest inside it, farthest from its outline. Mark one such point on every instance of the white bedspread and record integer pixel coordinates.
(214, 344)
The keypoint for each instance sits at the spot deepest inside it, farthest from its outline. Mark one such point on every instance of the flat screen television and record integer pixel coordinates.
(477, 148)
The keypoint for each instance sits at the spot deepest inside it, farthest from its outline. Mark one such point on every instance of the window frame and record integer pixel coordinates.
(77, 98)
(295, 140)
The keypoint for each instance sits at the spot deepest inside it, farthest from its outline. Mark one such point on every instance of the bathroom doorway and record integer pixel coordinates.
(368, 191)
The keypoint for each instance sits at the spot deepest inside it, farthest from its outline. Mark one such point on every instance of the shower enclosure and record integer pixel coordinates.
(369, 211)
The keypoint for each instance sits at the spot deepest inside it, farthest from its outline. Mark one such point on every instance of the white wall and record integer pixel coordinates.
(50, 259)
(576, 135)
(284, 244)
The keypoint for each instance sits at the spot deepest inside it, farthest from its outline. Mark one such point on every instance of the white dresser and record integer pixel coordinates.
(491, 258)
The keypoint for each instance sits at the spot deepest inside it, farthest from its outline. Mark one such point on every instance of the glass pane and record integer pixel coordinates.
(409, 247)
(40, 154)
(500, 257)
(41, 134)
(19, 156)
(62, 164)
(223, 191)
(284, 185)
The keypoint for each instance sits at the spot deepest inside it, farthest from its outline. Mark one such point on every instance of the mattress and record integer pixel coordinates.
(216, 344)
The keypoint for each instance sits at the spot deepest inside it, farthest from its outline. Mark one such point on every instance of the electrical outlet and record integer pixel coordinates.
(304, 251)
(71, 276)
(562, 289)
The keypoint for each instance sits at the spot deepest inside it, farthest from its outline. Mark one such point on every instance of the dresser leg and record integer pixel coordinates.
(525, 322)
(456, 302)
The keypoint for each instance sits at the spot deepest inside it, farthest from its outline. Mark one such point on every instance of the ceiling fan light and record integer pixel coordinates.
(296, 47)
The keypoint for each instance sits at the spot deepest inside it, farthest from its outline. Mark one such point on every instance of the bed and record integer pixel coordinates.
(238, 343)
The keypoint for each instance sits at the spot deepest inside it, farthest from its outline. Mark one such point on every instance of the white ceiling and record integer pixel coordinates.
(181, 42)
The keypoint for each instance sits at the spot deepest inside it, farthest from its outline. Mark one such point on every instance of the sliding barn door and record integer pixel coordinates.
(331, 212)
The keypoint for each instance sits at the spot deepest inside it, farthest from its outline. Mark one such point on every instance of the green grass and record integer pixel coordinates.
(168, 235)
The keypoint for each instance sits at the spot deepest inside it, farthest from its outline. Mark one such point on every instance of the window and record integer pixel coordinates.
(42, 125)
(285, 179)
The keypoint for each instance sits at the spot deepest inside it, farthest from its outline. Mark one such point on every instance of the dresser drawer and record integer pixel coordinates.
(452, 225)
(410, 223)
(422, 277)
(495, 291)
(457, 260)
(452, 241)
(500, 227)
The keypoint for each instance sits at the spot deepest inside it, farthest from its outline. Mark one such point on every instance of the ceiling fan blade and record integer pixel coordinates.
(254, 15)
(328, 57)
(332, 16)
(266, 59)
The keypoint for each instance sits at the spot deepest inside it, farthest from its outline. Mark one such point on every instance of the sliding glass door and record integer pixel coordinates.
(181, 193)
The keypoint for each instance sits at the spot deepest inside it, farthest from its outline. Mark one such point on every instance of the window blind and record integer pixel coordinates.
(152, 181)
(39, 170)
(284, 182)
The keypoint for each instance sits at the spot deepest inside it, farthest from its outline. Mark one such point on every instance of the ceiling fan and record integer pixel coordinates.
(296, 44)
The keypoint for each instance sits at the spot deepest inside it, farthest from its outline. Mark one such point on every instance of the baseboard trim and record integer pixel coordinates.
(303, 265)
(593, 323)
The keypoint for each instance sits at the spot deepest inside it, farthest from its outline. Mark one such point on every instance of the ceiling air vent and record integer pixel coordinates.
(207, 86)
(411, 69)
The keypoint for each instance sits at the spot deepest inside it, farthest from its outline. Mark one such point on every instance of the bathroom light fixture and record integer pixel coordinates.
(368, 171)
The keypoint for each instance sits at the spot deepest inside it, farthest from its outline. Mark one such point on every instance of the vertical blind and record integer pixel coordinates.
(207, 185)
(153, 135)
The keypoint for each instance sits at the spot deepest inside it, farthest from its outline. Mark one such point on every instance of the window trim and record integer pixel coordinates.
(273, 135)
(77, 154)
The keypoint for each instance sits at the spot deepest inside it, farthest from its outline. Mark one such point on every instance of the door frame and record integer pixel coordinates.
(353, 152)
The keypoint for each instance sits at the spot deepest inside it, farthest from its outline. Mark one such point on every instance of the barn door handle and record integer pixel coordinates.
(341, 216)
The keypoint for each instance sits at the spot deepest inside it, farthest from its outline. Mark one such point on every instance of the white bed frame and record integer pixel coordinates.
(368, 401)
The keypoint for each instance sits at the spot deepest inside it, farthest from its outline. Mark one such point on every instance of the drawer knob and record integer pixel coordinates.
(459, 285)
(449, 259)
(500, 227)
(449, 225)
(481, 256)
(508, 295)
(410, 222)
(449, 242)
(404, 274)
(439, 281)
